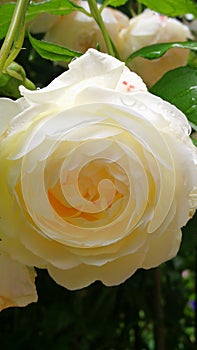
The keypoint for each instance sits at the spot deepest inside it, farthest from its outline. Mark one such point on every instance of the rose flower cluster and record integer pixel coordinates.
(79, 32)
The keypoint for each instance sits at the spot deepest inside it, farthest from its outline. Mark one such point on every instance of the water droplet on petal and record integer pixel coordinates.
(127, 101)
(142, 108)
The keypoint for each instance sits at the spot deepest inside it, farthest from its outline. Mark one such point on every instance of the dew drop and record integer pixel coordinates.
(128, 101)
(160, 106)
(172, 113)
(142, 108)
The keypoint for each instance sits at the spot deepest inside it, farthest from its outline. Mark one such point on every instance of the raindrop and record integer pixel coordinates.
(127, 101)
(142, 108)
(172, 113)
(160, 106)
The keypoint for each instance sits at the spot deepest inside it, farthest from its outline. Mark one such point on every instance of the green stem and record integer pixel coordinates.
(14, 32)
(98, 18)
(139, 8)
(16, 48)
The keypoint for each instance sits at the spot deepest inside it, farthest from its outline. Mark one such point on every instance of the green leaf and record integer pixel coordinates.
(54, 7)
(113, 3)
(157, 50)
(171, 7)
(53, 52)
(6, 12)
(193, 126)
(192, 59)
(194, 141)
(179, 87)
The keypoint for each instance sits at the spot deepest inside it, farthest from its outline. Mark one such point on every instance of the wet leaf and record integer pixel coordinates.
(171, 7)
(157, 50)
(179, 87)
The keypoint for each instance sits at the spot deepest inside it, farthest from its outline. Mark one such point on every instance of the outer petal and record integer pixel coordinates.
(17, 286)
(110, 274)
(8, 110)
(162, 248)
(90, 70)
(43, 22)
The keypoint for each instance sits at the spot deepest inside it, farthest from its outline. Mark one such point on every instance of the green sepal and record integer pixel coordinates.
(12, 78)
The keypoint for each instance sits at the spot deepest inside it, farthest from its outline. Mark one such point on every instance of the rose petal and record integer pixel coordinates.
(17, 286)
(110, 274)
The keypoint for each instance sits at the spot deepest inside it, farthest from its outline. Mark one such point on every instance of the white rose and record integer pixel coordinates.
(152, 28)
(79, 32)
(97, 175)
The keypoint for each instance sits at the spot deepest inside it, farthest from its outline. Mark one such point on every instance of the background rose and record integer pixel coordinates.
(151, 28)
(96, 173)
(79, 32)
